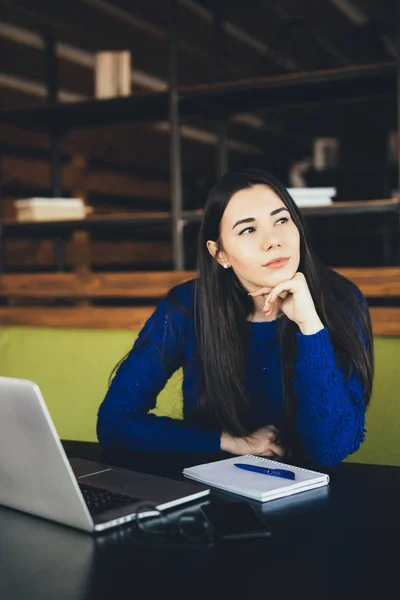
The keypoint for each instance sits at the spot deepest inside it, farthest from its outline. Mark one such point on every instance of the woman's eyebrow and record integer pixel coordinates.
(278, 210)
(248, 220)
(251, 219)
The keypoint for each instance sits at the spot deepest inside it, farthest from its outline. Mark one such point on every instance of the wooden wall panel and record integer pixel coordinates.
(377, 281)
(40, 253)
(92, 317)
(34, 172)
(92, 285)
(385, 321)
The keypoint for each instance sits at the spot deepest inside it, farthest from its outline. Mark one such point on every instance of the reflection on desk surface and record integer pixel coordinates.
(333, 532)
(304, 501)
(40, 560)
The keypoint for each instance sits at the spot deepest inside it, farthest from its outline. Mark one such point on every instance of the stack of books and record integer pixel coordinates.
(50, 209)
(305, 197)
(113, 76)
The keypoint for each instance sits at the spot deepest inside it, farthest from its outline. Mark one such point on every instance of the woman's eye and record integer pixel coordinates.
(282, 220)
(247, 231)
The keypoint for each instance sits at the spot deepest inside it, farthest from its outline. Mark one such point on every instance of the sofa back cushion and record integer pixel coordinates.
(72, 367)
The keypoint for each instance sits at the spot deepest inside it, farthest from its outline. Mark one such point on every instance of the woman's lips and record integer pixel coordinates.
(277, 264)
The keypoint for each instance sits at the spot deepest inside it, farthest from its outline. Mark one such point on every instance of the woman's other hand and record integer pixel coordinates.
(263, 442)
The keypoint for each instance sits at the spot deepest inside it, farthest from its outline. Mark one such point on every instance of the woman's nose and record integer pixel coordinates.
(270, 241)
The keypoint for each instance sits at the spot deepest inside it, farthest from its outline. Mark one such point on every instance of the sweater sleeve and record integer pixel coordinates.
(330, 410)
(123, 421)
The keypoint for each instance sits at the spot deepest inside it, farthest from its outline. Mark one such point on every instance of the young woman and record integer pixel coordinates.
(276, 348)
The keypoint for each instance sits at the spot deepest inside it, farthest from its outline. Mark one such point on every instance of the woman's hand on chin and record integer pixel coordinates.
(293, 298)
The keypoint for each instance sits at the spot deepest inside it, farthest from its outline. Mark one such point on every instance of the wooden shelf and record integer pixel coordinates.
(94, 222)
(91, 223)
(138, 108)
(216, 100)
(391, 205)
(331, 85)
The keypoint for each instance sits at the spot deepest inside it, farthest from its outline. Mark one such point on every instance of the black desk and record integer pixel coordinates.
(339, 542)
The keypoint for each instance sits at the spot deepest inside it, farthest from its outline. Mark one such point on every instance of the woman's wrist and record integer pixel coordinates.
(226, 442)
(311, 326)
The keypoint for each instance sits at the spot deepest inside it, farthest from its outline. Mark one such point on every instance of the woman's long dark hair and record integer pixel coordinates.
(222, 305)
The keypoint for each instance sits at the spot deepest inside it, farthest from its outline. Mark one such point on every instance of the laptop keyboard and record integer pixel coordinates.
(99, 500)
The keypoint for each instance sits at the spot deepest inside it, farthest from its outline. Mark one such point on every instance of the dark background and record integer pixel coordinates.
(256, 38)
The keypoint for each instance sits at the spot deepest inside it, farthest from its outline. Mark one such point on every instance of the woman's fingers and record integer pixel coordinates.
(276, 449)
(261, 292)
(280, 291)
(271, 295)
(290, 286)
(268, 307)
(272, 433)
(273, 428)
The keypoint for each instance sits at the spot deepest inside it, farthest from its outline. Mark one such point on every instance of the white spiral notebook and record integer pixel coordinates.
(223, 474)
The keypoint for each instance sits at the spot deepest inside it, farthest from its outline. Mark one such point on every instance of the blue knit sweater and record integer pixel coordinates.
(330, 410)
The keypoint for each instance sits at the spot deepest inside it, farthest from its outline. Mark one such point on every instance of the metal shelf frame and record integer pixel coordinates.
(61, 231)
(218, 101)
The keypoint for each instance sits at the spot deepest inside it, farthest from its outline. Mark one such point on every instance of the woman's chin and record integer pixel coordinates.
(273, 279)
(267, 280)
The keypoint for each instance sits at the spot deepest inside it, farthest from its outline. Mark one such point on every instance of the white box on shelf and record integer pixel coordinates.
(49, 203)
(305, 197)
(49, 209)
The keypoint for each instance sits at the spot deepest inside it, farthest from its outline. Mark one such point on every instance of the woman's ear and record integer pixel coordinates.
(220, 256)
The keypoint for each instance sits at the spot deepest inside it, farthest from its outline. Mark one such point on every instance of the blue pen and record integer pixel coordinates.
(283, 473)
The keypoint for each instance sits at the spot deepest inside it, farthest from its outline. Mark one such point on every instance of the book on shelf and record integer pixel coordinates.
(326, 153)
(312, 196)
(113, 75)
(393, 147)
(50, 209)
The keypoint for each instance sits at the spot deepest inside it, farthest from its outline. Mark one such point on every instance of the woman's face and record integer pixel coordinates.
(257, 228)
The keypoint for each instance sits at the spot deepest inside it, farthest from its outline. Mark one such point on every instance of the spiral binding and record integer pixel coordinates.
(279, 464)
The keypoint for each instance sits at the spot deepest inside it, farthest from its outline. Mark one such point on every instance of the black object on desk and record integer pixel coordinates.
(336, 543)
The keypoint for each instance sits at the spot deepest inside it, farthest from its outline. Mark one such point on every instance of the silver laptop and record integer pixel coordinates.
(36, 476)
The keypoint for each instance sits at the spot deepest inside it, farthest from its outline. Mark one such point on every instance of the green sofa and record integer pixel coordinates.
(72, 367)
